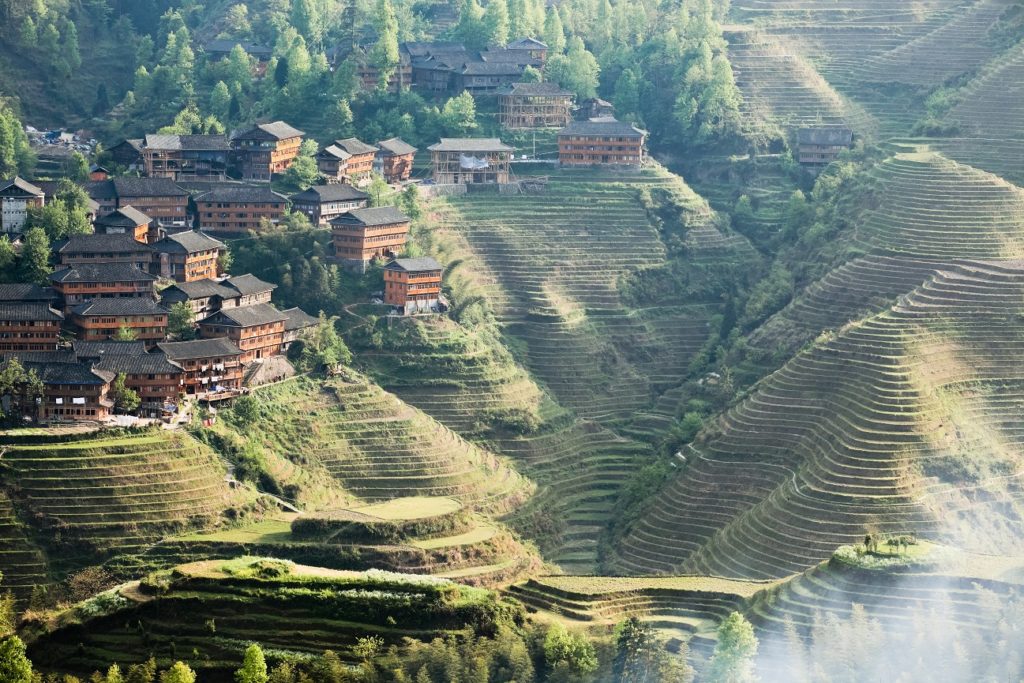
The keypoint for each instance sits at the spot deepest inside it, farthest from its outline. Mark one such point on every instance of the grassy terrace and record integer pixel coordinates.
(217, 608)
(90, 495)
(867, 430)
(990, 104)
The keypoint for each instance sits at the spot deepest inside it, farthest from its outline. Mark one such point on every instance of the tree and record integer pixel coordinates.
(569, 655)
(458, 117)
(554, 33)
(733, 659)
(384, 54)
(76, 167)
(220, 101)
(324, 347)
(142, 673)
(470, 29)
(125, 400)
(179, 673)
(254, 666)
(577, 70)
(496, 23)
(303, 171)
(16, 157)
(8, 259)
(531, 75)
(181, 321)
(308, 18)
(14, 664)
(34, 264)
(237, 21)
(640, 657)
(70, 52)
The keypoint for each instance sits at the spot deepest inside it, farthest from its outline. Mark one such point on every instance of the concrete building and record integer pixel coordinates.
(16, 197)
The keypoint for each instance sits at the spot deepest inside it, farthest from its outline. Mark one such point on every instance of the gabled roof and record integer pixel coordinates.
(526, 44)
(425, 49)
(223, 46)
(134, 143)
(199, 348)
(135, 305)
(249, 284)
(278, 130)
(146, 187)
(334, 151)
(102, 272)
(187, 242)
(545, 89)
(140, 364)
(414, 265)
(101, 243)
(27, 310)
(127, 216)
(198, 289)
(470, 145)
(355, 146)
(247, 316)
(603, 126)
(19, 187)
(493, 68)
(298, 319)
(839, 136)
(241, 194)
(381, 215)
(339, 192)
(55, 374)
(395, 147)
(26, 292)
(194, 143)
(99, 349)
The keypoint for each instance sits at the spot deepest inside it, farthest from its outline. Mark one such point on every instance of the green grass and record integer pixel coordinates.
(418, 507)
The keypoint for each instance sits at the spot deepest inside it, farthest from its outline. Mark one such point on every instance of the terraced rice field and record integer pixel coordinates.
(94, 495)
(990, 104)
(865, 431)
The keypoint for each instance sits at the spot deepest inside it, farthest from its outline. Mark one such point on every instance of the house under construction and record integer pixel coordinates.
(471, 161)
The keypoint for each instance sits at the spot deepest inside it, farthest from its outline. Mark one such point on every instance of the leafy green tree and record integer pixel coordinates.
(8, 260)
(640, 657)
(181, 321)
(34, 264)
(238, 69)
(627, 94)
(324, 347)
(570, 656)
(16, 157)
(179, 673)
(254, 666)
(496, 22)
(308, 17)
(554, 32)
(303, 171)
(21, 385)
(125, 400)
(113, 675)
(76, 167)
(125, 333)
(733, 659)
(458, 117)
(531, 75)
(577, 70)
(70, 50)
(14, 664)
(384, 54)
(220, 101)
(142, 673)
(470, 30)
(236, 21)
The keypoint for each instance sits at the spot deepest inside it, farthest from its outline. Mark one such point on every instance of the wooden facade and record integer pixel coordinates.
(535, 105)
(124, 221)
(362, 235)
(412, 284)
(468, 161)
(178, 157)
(359, 164)
(187, 256)
(158, 198)
(29, 326)
(210, 366)
(323, 203)
(239, 210)
(257, 330)
(85, 282)
(265, 150)
(822, 145)
(156, 378)
(101, 319)
(102, 248)
(601, 142)
(72, 391)
(394, 160)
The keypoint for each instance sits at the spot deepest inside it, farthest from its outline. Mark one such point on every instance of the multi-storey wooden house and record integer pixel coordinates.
(87, 281)
(535, 105)
(237, 210)
(362, 235)
(394, 159)
(186, 156)
(29, 326)
(101, 319)
(412, 284)
(104, 248)
(359, 164)
(211, 366)
(257, 330)
(821, 145)
(265, 150)
(471, 161)
(124, 221)
(323, 203)
(601, 142)
(187, 256)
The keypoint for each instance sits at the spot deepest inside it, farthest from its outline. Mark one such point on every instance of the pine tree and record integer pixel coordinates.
(733, 659)
(496, 22)
(220, 101)
(8, 260)
(470, 29)
(554, 34)
(34, 264)
(384, 54)
(254, 666)
(179, 673)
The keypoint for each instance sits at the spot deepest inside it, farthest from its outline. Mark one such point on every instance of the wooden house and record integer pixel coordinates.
(394, 160)
(362, 235)
(206, 297)
(323, 203)
(265, 150)
(298, 323)
(257, 330)
(535, 105)
(158, 198)
(86, 281)
(17, 196)
(187, 256)
(97, 172)
(127, 154)
(29, 326)
(103, 248)
(156, 378)
(124, 221)
(359, 164)
(601, 142)
(412, 284)
(533, 49)
(471, 161)
(186, 156)
(239, 209)
(821, 145)
(211, 366)
(100, 319)
(72, 391)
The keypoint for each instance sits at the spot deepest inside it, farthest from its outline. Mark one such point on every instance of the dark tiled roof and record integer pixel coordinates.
(193, 143)
(335, 152)
(825, 135)
(298, 319)
(546, 89)
(470, 145)
(603, 126)
(424, 49)
(395, 147)
(32, 310)
(99, 349)
(242, 194)
(101, 243)
(69, 373)
(100, 189)
(200, 289)
(55, 356)
(279, 130)
(140, 364)
(339, 192)
(496, 68)
(147, 187)
(247, 316)
(19, 186)
(187, 242)
(102, 272)
(527, 44)
(414, 265)
(381, 215)
(24, 292)
(249, 284)
(497, 55)
(199, 348)
(125, 216)
(224, 46)
(135, 305)
(355, 146)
